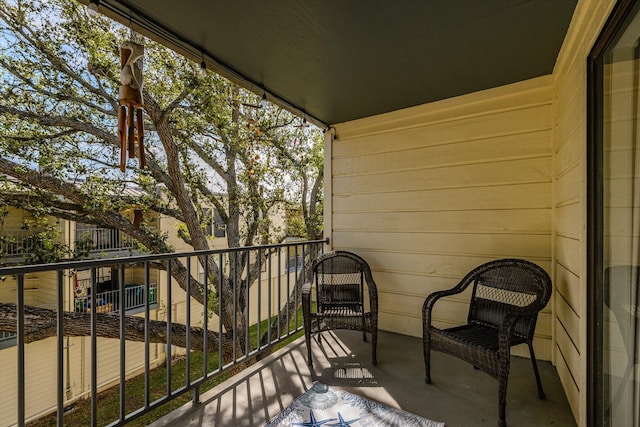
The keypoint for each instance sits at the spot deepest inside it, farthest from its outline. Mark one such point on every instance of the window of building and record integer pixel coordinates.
(215, 226)
(295, 260)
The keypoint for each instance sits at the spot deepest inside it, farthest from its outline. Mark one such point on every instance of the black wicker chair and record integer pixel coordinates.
(506, 297)
(346, 298)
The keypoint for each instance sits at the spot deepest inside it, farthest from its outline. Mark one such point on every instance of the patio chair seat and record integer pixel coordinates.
(346, 298)
(507, 296)
(471, 342)
(341, 319)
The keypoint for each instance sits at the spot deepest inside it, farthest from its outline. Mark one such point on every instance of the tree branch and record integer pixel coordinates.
(54, 59)
(193, 84)
(41, 323)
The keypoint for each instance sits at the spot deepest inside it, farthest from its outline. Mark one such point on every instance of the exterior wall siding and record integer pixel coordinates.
(428, 193)
(569, 168)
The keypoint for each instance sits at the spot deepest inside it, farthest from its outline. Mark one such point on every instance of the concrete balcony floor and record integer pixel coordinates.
(459, 395)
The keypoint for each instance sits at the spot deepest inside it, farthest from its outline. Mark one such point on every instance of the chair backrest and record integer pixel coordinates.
(501, 285)
(342, 279)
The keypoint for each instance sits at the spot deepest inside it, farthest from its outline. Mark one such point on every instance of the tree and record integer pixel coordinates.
(204, 137)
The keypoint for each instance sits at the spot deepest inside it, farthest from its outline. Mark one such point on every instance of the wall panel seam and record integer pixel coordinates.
(386, 126)
(573, 343)
(456, 187)
(435, 144)
(447, 165)
(569, 369)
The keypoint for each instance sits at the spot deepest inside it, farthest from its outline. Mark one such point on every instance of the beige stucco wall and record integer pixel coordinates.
(428, 193)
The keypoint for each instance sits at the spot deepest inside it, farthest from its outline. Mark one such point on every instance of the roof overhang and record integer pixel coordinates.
(336, 61)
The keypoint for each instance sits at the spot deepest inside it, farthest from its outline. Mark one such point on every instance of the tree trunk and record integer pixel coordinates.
(41, 323)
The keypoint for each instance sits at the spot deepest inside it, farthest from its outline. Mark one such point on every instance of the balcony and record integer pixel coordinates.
(458, 396)
(105, 242)
(52, 377)
(109, 301)
(20, 244)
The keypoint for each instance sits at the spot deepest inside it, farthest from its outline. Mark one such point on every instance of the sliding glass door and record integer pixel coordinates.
(614, 232)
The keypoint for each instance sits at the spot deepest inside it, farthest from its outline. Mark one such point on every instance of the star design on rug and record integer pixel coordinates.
(342, 422)
(313, 422)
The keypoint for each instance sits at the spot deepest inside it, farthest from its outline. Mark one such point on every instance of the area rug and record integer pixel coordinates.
(323, 405)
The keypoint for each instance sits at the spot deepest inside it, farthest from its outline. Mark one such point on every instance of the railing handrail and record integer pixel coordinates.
(135, 259)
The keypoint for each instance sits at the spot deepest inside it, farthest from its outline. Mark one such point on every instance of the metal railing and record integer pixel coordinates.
(105, 240)
(11, 241)
(109, 301)
(17, 242)
(270, 306)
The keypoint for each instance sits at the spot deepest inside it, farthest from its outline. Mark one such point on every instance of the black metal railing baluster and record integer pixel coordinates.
(123, 375)
(168, 352)
(20, 351)
(60, 348)
(220, 303)
(269, 297)
(94, 350)
(188, 325)
(279, 290)
(259, 297)
(147, 348)
(247, 304)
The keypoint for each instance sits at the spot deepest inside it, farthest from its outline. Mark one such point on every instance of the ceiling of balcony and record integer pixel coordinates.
(341, 60)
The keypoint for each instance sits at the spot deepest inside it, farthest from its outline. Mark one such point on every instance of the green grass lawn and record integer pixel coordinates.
(109, 400)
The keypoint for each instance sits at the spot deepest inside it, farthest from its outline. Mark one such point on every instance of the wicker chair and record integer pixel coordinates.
(506, 297)
(346, 298)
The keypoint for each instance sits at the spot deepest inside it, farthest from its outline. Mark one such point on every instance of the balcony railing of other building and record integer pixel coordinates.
(15, 244)
(18, 244)
(271, 306)
(109, 301)
(104, 240)
(11, 242)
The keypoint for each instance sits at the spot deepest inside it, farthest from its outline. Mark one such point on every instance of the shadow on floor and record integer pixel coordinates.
(459, 395)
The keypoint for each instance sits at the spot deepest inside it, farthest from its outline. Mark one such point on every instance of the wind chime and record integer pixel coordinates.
(130, 119)
(130, 112)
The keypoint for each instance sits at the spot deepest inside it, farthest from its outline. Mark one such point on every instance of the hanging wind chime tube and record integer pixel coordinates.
(130, 112)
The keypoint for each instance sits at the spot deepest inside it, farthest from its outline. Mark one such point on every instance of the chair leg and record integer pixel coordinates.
(364, 327)
(502, 398)
(427, 359)
(306, 320)
(307, 339)
(374, 347)
(535, 371)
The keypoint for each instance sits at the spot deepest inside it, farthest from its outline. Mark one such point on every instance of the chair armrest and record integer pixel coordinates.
(306, 300)
(306, 306)
(430, 301)
(306, 289)
(507, 324)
